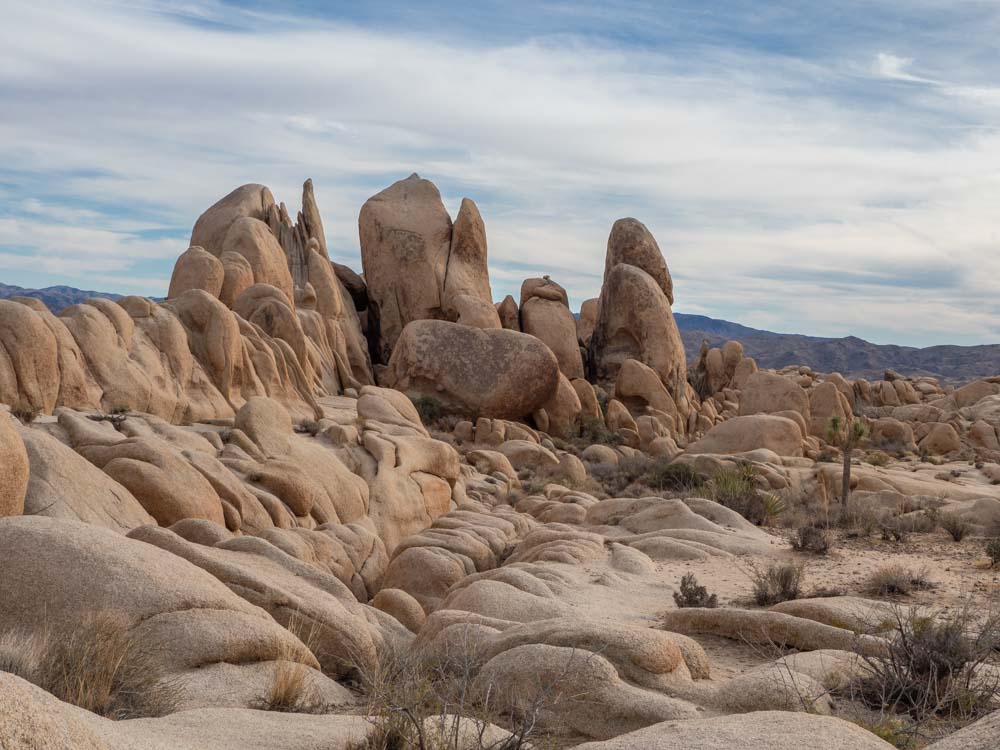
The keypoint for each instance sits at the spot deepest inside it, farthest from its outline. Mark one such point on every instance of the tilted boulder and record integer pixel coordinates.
(197, 268)
(466, 296)
(471, 371)
(747, 433)
(545, 314)
(634, 319)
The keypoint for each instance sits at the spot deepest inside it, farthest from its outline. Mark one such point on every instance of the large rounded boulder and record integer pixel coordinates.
(484, 372)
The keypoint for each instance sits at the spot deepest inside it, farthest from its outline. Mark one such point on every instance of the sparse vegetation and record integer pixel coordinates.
(813, 539)
(414, 702)
(428, 407)
(737, 490)
(691, 594)
(96, 665)
(932, 668)
(593, 431)
(679, 477)
(956, 526)
(993, 551)
(877, 458)
(846, 437)
(25, 413)
(780, 582)
(897, 580)
(309, 427)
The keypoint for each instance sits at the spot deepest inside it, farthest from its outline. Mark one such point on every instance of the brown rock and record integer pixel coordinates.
(13, 469)
(197, 268)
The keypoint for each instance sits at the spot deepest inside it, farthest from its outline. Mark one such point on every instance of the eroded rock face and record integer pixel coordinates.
(493, 373)
(545, 314)
(748, 433)
(14, 467)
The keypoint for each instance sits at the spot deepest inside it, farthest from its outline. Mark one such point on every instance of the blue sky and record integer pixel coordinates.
(822, 168)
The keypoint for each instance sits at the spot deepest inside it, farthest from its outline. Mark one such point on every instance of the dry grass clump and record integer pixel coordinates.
(897, 580)
(877, 458)
(814, 539)
(691, 594)
(594, 431)
(780, 582)
(414, 702)
(956, 526)
(291, 689)
(993, 551)
(96, 665)
(932, 669)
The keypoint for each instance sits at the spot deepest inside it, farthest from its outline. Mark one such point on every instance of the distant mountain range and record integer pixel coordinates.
(56, 298)
(851, 356)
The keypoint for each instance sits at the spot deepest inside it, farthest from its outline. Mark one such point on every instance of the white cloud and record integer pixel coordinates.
(737, 160)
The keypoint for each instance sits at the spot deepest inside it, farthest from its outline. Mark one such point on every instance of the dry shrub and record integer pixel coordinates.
(594, 431)
(291, 688)
(897, 580)
(693, 595)
(956, 526)
(933, 666)
(428, 407)
(623, 479)
(404, 690)
(813, 539)
(776, 583)
(993, 551)
(96, 665)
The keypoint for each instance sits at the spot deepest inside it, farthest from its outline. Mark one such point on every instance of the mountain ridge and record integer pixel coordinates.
(850, 355)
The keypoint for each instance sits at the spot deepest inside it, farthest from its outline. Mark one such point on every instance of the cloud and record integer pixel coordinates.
(744, 149)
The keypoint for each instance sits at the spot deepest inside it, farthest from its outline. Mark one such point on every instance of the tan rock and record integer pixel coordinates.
(197, 268)
(767, 393)
(742, 434)
(493, 373)
(631, 243)
(405, 241)
(14, 469)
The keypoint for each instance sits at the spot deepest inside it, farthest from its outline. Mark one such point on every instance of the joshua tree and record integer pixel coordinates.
(846, 438)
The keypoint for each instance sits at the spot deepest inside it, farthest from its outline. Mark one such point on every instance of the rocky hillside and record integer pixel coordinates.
(850, 356)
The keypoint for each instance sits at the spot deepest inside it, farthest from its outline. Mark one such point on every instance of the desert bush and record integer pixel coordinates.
(993, 551)
(119, 410)
(594, 431)
(428, 407)
(956, 526)
(691, 594)
(96, 665)
(309, 427)
(672, 476)
(858, 520)
(813, 539)
(25, 413)
(877, 458)
(403, 690)
(932, 667)
(776, 583)
(623, 479)
(737, 490)
(897, 580)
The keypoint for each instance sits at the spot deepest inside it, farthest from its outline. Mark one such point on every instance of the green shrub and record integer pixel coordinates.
(673, 476)
(878, 458)
(594, 431)
(428, 407)
(693, 595)
(25, 413)
(737, 490)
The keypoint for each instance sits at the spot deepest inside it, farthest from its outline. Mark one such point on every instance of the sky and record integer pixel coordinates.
(822, 168)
